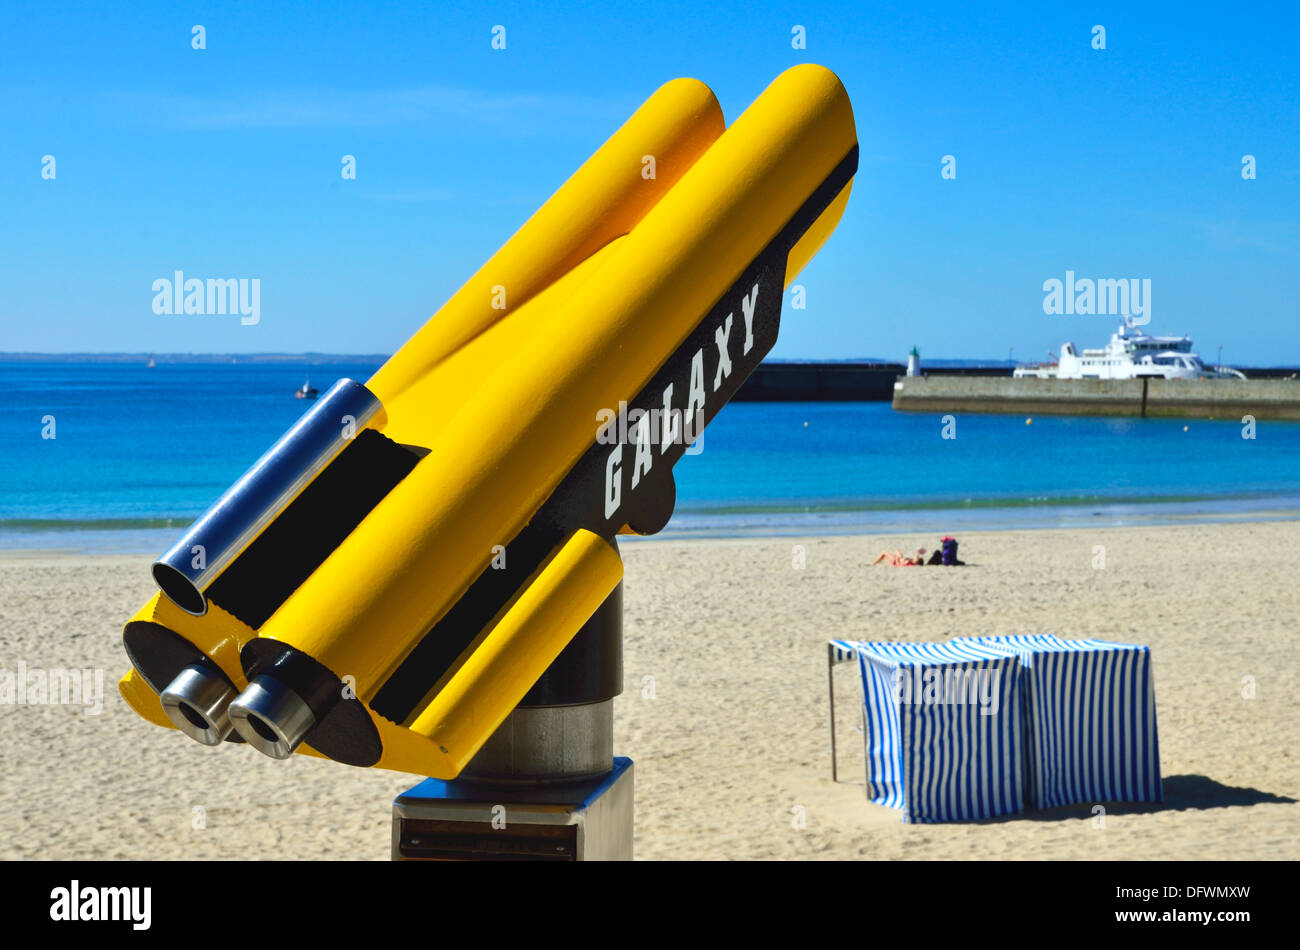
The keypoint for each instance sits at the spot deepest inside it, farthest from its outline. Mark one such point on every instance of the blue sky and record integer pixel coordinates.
(225, 162)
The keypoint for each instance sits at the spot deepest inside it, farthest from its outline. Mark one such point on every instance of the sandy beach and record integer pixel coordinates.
(724, 709)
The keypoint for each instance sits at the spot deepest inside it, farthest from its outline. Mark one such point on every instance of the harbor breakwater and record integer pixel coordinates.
(842, 381)
(1186, 398)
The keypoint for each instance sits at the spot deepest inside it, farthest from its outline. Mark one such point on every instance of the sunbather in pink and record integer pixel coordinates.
(896, 559)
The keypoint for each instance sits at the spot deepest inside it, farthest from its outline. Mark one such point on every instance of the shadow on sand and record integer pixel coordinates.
(1182, 793)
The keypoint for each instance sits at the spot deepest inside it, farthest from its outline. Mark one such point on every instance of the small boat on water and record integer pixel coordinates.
(1130, 354)
(306, 391)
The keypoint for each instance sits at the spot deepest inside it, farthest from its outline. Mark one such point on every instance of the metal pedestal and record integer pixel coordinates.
(546, 786)
(582, 820)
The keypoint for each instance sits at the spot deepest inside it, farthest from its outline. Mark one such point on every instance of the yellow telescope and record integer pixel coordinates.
(394, 575)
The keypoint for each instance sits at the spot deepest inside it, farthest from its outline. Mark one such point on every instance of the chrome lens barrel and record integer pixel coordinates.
(271, 717)
(197, 702)
(190, 566)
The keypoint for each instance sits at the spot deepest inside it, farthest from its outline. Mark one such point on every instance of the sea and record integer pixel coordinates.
(120, 457)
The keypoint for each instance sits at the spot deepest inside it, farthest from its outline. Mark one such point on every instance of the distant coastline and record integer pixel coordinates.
(858, 379)
(991, 366)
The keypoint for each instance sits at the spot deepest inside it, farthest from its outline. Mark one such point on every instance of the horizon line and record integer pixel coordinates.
(320, 356)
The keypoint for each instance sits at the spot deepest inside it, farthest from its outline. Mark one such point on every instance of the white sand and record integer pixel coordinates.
(731, 637)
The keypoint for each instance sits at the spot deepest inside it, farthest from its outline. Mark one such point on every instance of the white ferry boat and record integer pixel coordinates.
(1130, 354)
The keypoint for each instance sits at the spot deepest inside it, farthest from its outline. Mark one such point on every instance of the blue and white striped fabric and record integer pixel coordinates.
(943, 729)
(1090, 719)
(842, 650)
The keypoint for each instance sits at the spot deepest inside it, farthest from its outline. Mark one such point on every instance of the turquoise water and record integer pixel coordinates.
(138, 452)
(853, 466)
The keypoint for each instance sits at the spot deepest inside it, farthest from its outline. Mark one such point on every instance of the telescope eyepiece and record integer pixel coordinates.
(271, 717)
(197, 702)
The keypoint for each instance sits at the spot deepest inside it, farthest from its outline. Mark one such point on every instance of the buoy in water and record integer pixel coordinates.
(1029, 421)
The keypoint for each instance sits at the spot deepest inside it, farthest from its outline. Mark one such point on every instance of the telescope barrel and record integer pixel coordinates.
(190, 566)
(398, 602)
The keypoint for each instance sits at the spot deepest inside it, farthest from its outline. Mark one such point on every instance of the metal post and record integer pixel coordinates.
(830, 685)
(866, 756)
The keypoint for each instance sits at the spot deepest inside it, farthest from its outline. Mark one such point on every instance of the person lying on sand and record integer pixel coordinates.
(896, 559)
